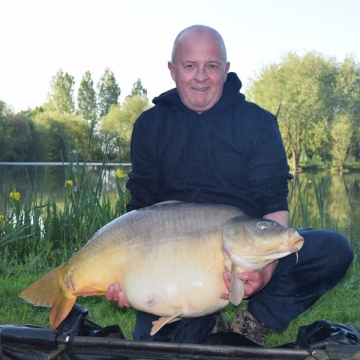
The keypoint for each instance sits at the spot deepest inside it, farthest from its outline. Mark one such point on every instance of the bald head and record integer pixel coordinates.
(199, 32)
(199, 67)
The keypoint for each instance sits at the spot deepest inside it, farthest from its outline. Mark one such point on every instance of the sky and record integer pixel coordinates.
(134, 39)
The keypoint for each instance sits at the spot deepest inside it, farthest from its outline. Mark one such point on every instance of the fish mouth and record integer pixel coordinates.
(297, 246)
(294, 242)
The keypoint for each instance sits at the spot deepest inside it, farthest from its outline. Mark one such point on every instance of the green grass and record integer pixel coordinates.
(37, 234)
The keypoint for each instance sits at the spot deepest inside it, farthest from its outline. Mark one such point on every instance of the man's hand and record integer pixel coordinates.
(114, 293)
(254, 281)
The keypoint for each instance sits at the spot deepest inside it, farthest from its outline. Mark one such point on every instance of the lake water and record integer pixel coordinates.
(50, 179)
(333, 199)
(338, 194)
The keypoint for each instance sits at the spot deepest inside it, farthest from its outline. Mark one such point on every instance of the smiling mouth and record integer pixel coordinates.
(200, 89)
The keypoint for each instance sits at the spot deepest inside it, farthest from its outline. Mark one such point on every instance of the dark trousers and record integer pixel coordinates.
(294, 287)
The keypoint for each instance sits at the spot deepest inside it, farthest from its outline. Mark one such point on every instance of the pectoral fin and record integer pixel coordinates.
(237, 287)
(158, 324)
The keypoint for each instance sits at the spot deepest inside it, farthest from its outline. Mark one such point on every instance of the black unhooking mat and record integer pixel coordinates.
(80, 339)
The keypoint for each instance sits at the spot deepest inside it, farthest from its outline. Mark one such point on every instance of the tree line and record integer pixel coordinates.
(62, 129)
(316, 99)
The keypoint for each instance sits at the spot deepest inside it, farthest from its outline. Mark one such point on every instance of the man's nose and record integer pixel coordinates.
(201, 73)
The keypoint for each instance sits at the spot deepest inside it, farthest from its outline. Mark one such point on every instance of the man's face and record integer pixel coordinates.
(199, 71)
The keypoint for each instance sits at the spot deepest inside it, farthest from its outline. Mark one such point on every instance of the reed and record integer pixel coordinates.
(38, 225)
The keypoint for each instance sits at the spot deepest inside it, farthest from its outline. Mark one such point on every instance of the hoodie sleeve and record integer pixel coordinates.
(144, 176)
(268, 167)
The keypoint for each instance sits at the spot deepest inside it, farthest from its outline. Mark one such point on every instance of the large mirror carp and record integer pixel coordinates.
(169, 260)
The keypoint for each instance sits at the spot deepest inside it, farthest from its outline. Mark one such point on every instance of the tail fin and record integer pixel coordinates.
(47, 292)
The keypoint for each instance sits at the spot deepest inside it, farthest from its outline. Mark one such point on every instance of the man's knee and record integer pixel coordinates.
(330, 249)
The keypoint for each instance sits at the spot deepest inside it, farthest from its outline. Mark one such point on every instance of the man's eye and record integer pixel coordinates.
(212, 66)
(189, 66)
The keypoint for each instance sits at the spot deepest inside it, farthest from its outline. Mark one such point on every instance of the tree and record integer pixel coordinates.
(341, 133)
(138, 89)
(15, 134)
(117, 125)
(5, 132)
(3, 129)
(302, 87)
(345, 127)
(60, 96)
(31, 113)
(86, 98)
(109, 92)
(66, 135)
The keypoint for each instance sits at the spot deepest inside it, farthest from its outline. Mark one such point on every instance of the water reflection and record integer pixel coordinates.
(325, 200)
(319, 200)
(49, 181)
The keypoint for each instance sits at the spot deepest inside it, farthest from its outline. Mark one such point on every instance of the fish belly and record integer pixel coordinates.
(186, 275)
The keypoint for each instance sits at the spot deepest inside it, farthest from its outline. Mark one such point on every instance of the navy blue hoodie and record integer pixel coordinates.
(230, 154)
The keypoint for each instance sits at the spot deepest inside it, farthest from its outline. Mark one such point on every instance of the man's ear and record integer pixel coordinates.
(172, 69)
(227, 68)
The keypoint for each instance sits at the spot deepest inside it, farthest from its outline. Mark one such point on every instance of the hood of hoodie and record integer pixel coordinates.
(230, 95)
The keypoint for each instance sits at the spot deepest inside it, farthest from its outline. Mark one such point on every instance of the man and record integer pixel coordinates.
(203, 142)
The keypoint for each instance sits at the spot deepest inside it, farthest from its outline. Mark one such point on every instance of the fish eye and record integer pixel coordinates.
(263, 226)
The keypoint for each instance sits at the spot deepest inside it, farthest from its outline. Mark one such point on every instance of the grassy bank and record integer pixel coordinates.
(37, 234)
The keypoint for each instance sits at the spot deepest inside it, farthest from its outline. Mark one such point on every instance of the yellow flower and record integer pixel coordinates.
(119, 174)
(68, 183)
(2, 221)
(309, 181)
(15, 195)
(117, 198)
